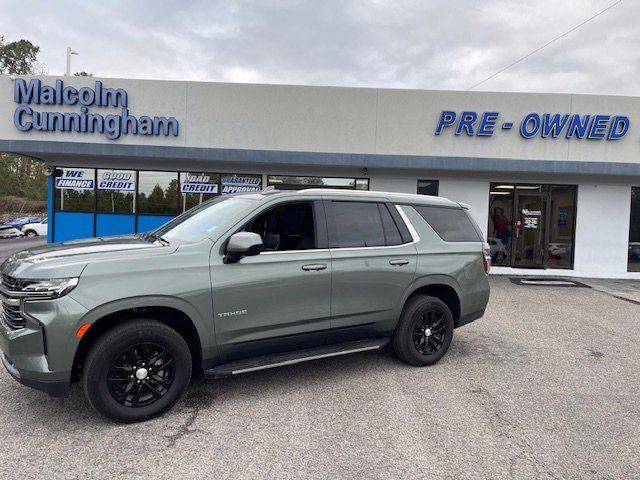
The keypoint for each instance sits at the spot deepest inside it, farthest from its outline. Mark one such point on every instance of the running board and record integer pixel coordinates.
(298, 356)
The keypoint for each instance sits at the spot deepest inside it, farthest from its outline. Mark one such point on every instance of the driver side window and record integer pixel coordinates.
(285, 227)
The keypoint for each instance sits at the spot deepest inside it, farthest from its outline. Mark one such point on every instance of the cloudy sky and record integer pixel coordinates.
(374, 43)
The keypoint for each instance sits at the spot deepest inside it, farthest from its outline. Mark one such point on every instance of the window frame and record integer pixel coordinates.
(405, 233)
(319, 224)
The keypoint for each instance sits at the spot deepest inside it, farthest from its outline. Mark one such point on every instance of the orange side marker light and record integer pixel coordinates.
(82, 330)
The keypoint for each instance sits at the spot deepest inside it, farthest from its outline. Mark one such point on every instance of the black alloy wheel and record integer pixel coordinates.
(429, 333)
(141, 375)
(425, 331)
(136, 370)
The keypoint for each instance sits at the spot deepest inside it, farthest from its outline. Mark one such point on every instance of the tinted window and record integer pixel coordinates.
(451, 224)
(357, 224)
(428, 187)
(75, 190)
(286, 227)
(634, 231)
(158, 192)
(391, 231)
(115, 191)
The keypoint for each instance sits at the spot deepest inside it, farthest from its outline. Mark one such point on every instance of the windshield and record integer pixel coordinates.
(204, 220)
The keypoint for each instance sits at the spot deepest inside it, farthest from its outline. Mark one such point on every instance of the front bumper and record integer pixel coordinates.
(53, 388)
(40, 355)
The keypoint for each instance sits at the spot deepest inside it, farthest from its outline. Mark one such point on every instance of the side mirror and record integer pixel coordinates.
(242, 244)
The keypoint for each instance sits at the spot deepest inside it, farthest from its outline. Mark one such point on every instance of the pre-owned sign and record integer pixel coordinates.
(545, 125)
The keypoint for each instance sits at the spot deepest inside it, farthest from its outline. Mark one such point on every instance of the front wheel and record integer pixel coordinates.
(424, 332)
(136, 371)
(30, 233)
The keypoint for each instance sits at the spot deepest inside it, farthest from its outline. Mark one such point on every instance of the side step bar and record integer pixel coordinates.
(297, 356)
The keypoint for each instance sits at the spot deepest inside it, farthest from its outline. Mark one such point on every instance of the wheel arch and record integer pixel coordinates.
(171, 316)
(442, 287)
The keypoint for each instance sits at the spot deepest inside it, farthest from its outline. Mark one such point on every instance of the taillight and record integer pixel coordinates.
(486, 252)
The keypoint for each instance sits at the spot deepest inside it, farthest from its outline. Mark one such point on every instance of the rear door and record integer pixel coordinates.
(374, 261)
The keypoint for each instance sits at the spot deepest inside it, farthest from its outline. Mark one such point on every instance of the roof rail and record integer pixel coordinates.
(270, 190)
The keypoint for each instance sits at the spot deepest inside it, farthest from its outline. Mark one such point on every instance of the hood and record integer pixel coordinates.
(68, 259)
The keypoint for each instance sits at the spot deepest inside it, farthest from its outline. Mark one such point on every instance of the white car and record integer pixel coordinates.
(35, 229)
(498, 250)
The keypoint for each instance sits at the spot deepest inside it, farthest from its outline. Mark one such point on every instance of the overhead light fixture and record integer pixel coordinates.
(528, 187)
(510, 187)
(499, 193)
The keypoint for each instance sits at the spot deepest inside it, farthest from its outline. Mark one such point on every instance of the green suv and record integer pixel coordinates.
(238, 284)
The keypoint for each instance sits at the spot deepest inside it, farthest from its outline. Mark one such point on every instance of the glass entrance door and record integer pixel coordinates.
(530, 230)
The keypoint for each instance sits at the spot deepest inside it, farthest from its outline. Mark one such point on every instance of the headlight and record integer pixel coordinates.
(51, 288)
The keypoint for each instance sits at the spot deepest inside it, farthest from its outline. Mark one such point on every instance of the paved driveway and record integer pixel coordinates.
(545, 386)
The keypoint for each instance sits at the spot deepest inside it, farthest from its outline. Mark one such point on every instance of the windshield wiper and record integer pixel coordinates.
(153, 237)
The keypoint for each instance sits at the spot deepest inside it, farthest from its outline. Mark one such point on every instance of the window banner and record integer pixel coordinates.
(199, 184)
(235, 184)
(74, 180)
(115, 180)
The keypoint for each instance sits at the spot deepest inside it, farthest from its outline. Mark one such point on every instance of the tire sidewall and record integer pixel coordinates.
(112, 344)
(403, 337)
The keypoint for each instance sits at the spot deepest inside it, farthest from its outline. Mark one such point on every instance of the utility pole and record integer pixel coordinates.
(70, 52)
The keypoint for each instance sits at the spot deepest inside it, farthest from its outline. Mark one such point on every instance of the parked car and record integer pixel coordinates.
(18, 223)
(35, 229)
(498, 250)
(238, 284)
(9, 231)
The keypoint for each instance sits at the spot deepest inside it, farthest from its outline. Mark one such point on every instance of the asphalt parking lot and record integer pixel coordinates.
(546, 385)
(7, 247)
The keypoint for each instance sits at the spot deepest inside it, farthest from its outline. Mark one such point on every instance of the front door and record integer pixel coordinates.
(278, 300)
(530, 226)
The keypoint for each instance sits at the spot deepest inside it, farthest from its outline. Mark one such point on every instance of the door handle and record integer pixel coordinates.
(399, 262)
(315, 266)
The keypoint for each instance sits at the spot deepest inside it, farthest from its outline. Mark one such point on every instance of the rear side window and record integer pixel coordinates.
(451, 224)
(391, 232)
(362, 224)
(357, 224)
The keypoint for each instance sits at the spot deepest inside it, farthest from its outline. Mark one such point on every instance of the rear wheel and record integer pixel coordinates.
(424, 332)
(136, 371)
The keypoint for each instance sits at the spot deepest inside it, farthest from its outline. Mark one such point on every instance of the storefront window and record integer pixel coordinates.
(561, 229)
(197, 187)
(115, 191)
(500, 223)
(285, 182)
(531, 225)
(74, 190)
(634, 231)
(157, 193)
(428, 187)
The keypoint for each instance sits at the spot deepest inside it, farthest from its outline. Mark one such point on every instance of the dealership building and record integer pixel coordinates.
(553, 180)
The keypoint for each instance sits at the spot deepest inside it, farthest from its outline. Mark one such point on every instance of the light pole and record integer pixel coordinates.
(70, 52)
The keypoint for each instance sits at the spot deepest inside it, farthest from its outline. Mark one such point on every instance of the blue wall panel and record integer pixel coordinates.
(50, 185)
(72, 226)
(150, 222)
(114, 224)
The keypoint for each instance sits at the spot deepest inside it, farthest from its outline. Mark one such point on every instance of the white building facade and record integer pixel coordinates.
(553, 180)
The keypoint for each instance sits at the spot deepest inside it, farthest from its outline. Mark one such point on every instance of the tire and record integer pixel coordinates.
(414, 344)
(127, 350)
(30, 233)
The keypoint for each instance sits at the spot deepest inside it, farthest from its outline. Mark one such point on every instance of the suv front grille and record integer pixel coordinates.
(11, 315)
(10, 299)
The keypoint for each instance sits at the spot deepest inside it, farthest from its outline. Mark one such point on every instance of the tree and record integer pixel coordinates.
(83, 74)
(18, 58)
